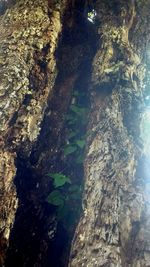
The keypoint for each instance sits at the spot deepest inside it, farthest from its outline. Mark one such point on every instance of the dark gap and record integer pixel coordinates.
(5, 4)
(27, 99)
(13, 119)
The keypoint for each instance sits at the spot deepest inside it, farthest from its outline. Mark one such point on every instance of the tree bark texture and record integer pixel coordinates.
(114, 228)
(28, 39)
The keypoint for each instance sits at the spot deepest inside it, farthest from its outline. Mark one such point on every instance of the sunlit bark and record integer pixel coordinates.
(114, 227)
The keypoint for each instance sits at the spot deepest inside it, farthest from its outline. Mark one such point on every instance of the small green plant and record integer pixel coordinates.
(67, 194)
(56, 198)
(69, 149)
(80, 143)
(76, 119)
(59, 179)
(61, 198)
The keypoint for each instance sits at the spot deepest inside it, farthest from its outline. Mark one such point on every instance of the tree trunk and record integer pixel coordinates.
(114, 227)
(29, 37)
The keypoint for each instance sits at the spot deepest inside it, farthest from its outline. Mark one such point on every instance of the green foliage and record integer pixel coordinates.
(59, 179)
(66, 194)
(74, 192)
(72, 134)
(79, 94)
(73, 188)
(71, 119)
(69, 149)
(80, 143)
(76, 93)
(80, 159)
(56, 198)
(76, 118)
(78, 110)
(75, 109)
(64, 199)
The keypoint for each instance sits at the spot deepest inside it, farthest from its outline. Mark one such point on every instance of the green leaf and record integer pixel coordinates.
(75, 93)
(72, 123)
(72, 134)
(69, 150)
(79, 93)
(79, 111)
(74, 188)
(80, 159)
(80, 143)
(76, 109)
(59, 179)
(55, 198)
(70, 117)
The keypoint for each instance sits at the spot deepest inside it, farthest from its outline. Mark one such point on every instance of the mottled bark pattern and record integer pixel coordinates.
(113, 230)
(28, 39)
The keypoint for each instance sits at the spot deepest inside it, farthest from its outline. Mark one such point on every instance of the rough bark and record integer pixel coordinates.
(113, 229)
(28, 37)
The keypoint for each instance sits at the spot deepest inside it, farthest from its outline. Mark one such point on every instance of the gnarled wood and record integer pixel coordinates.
(28, 40)
(113, 230)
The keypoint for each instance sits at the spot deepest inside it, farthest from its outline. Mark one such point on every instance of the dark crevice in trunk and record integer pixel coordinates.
(5, 4)
(38, 238)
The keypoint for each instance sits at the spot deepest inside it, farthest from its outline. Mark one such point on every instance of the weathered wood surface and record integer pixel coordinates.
(29, 34)
(114, 228)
